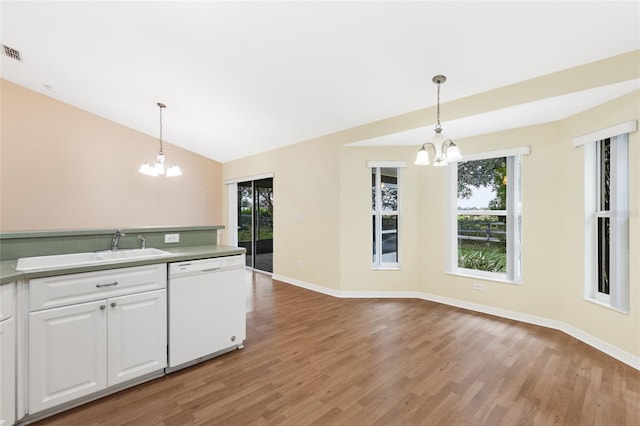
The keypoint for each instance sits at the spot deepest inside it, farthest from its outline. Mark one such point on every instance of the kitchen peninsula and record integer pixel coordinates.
(84, 313)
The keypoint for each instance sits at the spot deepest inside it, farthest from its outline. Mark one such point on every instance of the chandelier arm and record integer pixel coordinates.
(430, 148)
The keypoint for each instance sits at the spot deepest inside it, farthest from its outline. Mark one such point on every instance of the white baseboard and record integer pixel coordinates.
(601, 345)
(308, 286)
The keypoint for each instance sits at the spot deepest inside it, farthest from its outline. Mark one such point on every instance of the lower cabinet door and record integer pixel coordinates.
(137, 335)
(67, 354)
(7, 372)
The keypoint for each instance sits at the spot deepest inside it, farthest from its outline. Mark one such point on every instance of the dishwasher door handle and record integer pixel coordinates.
(211, 269)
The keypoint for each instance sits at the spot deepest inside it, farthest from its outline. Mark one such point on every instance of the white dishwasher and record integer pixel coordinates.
(207, 309)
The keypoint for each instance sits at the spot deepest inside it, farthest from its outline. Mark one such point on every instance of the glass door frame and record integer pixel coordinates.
(232, 213)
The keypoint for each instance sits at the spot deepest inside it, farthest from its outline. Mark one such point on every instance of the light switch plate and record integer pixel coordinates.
(171, 238)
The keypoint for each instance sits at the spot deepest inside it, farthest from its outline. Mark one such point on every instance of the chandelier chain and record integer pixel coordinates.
(442, 149)
(438, 109)
(160, 166)
(161, 106)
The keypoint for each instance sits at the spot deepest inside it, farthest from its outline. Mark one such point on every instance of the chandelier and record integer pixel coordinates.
(442, 150)
(160, 166)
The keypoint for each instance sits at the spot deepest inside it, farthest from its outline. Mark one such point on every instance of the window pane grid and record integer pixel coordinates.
(385, 216)
(603, 264)
(482, 243)
(603, 172)
(488, 208)
(607, 231)
(603, 215)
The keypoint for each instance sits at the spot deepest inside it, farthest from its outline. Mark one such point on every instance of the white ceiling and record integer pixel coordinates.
(244, 77)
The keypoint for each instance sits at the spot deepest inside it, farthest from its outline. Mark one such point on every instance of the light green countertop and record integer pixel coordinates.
(9, 274)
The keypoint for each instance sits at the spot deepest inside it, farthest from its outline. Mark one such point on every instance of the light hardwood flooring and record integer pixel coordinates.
(311, 359)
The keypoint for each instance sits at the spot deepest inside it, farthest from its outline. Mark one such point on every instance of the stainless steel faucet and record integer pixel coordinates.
(143, 242)
(116, 239)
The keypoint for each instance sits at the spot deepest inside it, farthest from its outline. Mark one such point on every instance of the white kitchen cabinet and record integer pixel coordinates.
(65, 290)
(7, 301)
(83, 348)
(7, 355)
(67, 354)
(137, 335)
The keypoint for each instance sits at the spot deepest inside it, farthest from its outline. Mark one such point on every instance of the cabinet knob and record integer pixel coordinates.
(102, 307)
(233, 338)
(113, 304)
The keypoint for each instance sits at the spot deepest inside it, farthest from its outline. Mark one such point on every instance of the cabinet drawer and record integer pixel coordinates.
(7, 304)
(51, 292)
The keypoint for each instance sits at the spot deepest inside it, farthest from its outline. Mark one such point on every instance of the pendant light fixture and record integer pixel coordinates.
(160, 165)
(442, 149)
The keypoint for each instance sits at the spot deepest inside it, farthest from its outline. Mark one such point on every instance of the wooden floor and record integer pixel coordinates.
(312, 359)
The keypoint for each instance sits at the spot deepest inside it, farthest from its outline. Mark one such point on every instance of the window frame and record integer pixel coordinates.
(376, 260)
(618, 215)
(601, 212)
(513, 215)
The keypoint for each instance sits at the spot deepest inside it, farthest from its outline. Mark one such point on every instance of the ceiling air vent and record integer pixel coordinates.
(12, 53)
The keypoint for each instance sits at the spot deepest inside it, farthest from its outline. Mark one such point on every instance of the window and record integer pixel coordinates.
(607, 222)
(485, 220)
(606, 214)
(385, 217)
(603, 215)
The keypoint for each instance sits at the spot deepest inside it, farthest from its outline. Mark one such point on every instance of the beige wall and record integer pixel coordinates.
(64, 168)
(623, 330)
(329, 183)
(305, 216)
(541, 191)
(355, 239)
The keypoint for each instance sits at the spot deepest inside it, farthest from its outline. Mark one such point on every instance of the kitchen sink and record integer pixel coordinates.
(131, 254)
(26, 264)
(56, 261)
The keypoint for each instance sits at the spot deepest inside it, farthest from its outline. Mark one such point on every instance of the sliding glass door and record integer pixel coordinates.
(245, 219)
(255, 222)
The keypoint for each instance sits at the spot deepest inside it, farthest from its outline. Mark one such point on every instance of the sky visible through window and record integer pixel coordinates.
(479, 200)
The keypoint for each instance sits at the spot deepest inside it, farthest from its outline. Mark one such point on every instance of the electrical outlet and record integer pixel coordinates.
(171, 238)
(478, 286)
(300, 264)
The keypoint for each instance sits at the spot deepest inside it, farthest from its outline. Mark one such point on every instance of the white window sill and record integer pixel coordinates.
(386, 268)
(483, 277)
(605, 305)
